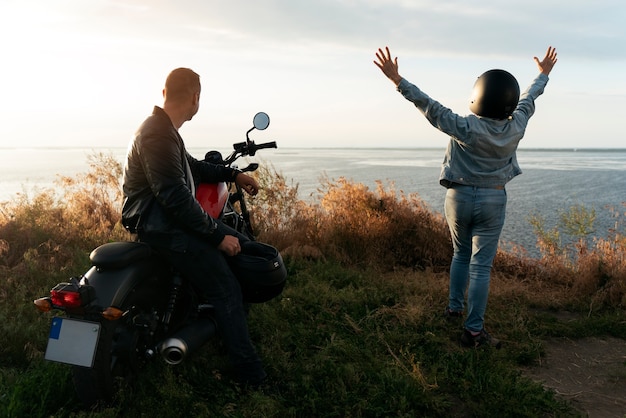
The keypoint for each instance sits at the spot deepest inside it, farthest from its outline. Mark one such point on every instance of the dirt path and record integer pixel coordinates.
(591, 373)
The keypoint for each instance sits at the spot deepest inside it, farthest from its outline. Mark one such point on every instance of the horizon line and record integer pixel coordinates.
(573, 149)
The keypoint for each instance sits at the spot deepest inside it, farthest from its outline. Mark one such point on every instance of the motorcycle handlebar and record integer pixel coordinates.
(247, 148)
(255, 148)
(250, 148)
(266, 145)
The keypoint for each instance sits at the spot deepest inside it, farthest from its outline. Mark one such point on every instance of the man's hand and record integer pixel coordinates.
(546, 65)
(247, 183)
(230, 245)
(388, 66)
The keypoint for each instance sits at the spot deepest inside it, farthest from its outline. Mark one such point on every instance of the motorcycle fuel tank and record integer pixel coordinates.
(212, 197)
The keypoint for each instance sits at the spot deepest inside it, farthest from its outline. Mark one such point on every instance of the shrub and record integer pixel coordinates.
(56, 227)
(594, 269)
(358, 226)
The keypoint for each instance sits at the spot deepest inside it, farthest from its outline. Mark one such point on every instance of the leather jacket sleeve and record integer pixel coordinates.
(205, 172)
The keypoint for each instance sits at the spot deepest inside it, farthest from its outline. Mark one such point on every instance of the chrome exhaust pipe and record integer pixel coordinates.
(187, 340)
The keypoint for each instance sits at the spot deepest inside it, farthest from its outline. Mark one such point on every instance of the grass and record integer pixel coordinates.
(358, 331)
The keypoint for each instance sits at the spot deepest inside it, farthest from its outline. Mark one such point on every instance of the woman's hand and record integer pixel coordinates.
(546, 65)
(388, 66)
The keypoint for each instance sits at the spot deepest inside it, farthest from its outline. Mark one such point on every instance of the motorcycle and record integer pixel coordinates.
(130, 307)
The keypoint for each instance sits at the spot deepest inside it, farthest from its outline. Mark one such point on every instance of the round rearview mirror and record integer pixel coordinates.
(261, 121)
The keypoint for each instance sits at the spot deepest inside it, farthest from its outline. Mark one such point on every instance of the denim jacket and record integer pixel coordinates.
(481, 151)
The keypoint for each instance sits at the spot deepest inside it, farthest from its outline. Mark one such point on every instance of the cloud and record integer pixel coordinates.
(304, 60)
(582, 29)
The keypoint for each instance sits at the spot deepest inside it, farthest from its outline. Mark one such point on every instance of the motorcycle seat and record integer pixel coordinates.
(115, 255)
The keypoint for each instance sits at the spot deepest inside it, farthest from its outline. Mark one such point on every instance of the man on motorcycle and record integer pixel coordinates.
(160, 207)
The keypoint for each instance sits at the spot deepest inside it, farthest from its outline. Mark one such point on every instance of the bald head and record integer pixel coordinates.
(181, 95)
(181, 84)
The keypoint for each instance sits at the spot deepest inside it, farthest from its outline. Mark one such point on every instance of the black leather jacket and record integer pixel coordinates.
(159, 174)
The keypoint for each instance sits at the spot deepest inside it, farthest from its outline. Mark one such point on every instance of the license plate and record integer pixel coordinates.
(72, 341)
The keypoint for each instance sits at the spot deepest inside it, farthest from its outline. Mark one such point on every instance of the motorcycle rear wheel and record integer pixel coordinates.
(111, 369)
(123, 344)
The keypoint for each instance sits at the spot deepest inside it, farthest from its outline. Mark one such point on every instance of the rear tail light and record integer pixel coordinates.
(70, 296)
(66, 298)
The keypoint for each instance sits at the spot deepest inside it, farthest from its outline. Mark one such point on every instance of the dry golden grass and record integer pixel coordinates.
(391, 231)
(355, 225)
(48, 229)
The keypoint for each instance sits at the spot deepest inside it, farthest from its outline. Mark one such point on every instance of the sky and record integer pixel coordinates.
(87, 72)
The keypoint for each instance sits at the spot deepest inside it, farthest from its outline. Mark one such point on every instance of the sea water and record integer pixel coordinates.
(552, 182)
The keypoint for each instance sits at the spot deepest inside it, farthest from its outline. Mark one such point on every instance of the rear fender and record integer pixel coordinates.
(122, 269)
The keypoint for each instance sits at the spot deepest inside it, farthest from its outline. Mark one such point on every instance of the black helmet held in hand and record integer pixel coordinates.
(260, 270)
(495, 95)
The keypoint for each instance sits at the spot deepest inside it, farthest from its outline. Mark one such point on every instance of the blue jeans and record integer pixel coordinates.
(475, 216)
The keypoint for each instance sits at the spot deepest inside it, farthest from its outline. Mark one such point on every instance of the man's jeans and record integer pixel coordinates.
(208, 269)
(475, 216)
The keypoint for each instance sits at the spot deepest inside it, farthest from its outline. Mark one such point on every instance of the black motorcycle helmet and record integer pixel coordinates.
(260, 270)
(495, 95)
